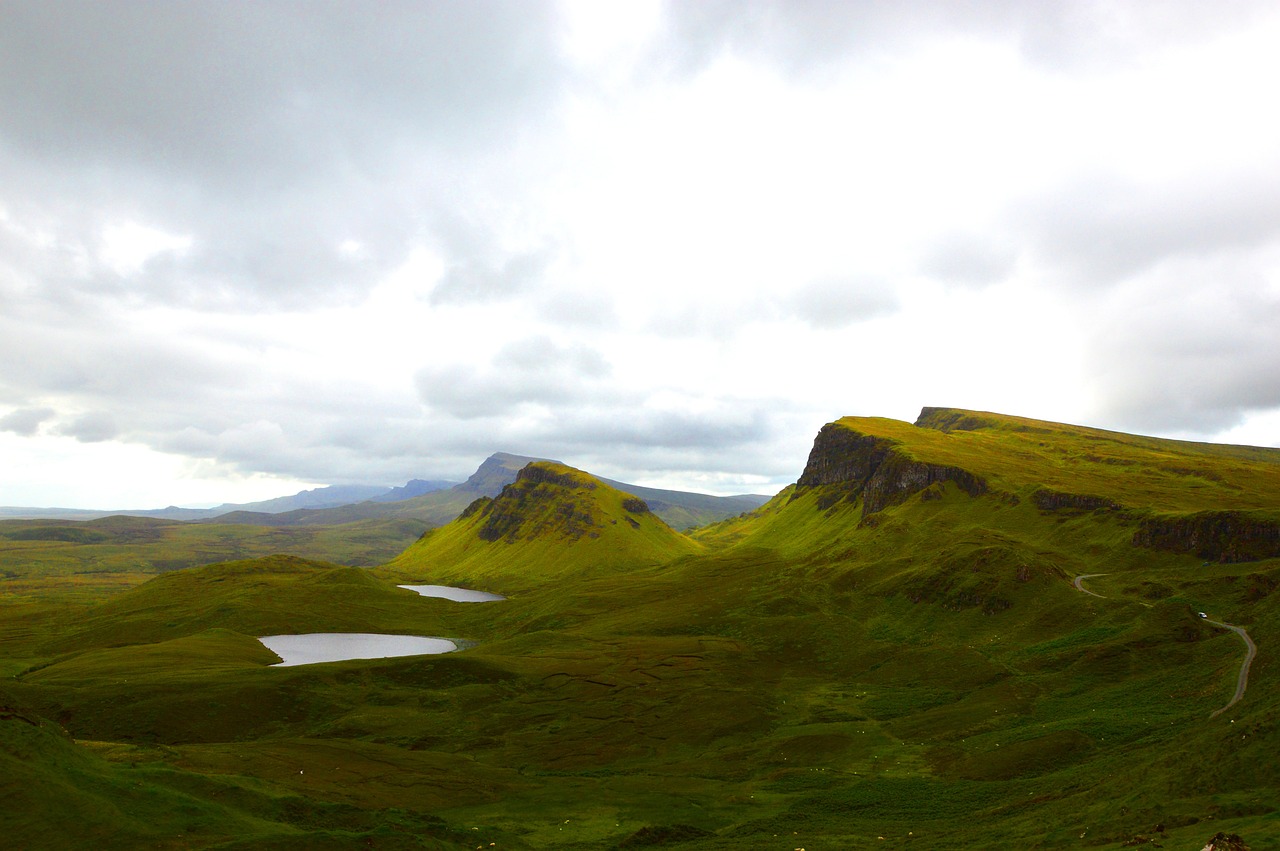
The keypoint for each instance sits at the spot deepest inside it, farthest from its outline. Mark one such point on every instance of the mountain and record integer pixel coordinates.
(683, 510)
(326, 497)
(971, 631)
(314, 499)
(679, 509)
(552, 522)
(415, 487)
(432, 509)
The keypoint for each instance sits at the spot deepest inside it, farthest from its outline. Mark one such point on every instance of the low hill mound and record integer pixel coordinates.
(263, 596)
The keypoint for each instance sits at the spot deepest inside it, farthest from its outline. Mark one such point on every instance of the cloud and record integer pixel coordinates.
(341, 243)
(25, 421)
(805, 36)
(267, 135)
(535, 371)
(838, 303)
(1190, 349)
(968, 259)
(235, 89)
(480, 279)
(93, 427)
(1102, 230)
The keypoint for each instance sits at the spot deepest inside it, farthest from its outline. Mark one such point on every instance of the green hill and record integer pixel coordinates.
(679, 509)
(552, 523)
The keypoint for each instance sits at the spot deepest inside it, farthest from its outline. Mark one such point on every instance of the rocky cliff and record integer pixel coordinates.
(1222, 536)
(847, 465)
(541, 501)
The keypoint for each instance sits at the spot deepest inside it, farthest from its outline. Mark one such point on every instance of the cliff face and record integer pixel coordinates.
(1047, 500)
(846, 465)
(541, 501)
(1222, 536)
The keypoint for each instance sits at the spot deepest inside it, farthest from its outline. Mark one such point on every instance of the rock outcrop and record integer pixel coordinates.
(949, 420)
(1226, 842)
(540, 502)
(1047, 500)
(846, 464)
(1222, 536)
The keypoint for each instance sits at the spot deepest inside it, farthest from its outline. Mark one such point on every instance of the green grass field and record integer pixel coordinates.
(886, 656)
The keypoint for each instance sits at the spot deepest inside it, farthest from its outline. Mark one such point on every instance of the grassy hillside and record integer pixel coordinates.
(43, 557)
(893, 653)
(552, 523)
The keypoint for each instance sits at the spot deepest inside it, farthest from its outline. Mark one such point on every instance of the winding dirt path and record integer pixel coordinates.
(1242, 681)
(1080, 587)
(1251, 649)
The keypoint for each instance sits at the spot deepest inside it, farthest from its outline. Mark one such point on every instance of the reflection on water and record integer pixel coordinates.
(337, 646)
(459, 595)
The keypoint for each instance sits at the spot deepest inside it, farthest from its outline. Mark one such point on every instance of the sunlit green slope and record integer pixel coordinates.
(553, 523)
(1221, 503)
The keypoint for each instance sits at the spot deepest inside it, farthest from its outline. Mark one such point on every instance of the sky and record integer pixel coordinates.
(248, 248)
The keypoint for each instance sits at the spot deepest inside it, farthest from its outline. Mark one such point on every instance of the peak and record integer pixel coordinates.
(555, 473)
(497, 471)
(547, 497)
(848, 463)
(506, 459)
(552, 520)
(952, 419)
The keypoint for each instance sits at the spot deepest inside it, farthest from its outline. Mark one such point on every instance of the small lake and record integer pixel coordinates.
(458, 595)
(338, 646)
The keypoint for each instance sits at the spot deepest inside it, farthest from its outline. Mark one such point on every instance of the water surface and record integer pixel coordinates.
(459, 595)
(338, 646)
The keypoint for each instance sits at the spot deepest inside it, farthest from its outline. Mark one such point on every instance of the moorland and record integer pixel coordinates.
(974, 631)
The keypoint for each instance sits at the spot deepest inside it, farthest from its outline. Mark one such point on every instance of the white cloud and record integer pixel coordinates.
(662, 240)
(127, 247)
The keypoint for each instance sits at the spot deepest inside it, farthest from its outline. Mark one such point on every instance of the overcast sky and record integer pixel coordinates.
(251, 247)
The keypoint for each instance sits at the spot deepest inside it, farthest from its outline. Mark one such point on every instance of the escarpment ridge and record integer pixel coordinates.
(850, 464)
(1057, 466)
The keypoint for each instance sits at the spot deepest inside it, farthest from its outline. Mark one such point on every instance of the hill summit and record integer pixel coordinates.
(553, 521)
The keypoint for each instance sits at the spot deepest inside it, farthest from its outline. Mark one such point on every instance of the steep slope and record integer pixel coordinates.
(552, 522)
(1174, 495)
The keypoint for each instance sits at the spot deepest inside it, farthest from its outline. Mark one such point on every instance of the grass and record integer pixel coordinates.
(49, 558)
(799, 677)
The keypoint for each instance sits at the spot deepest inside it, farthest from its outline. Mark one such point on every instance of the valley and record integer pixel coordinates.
(974, 631)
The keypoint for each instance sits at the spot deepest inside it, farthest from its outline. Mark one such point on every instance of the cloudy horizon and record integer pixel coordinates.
(248, 248)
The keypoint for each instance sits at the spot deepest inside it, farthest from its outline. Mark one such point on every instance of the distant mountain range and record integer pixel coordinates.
(434, 502)
(316, 498)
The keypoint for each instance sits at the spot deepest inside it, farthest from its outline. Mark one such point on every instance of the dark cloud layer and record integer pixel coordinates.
(268, 133)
